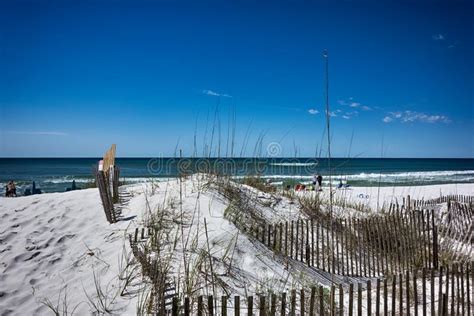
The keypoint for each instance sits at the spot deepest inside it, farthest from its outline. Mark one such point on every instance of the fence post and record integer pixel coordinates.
(250, 305)
(468, 287)
(224, 305)
(359, 299)
(291, 239)
(210, 305)
(199, 305)
(273, 306)
(351, 298)
(400, 283)
(394, 294)
(369, 298)
(321, 300)
(415, 294)
(461, 274)
(311, 300)
(423, 289)
(105, 196)
(444, 305)
(312, 242)
(302, 302)
(453, 270)
(262, 305)
(435, 243)
(283, 304)
(385, 297)
(332, 301)
(174, 311)
(293, 303)
(453, 295)
(341, 300)
(377, 297)
(186, 306)
(297, 239)
(236, 305)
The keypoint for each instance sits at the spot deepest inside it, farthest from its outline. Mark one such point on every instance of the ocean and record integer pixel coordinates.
(57, 174)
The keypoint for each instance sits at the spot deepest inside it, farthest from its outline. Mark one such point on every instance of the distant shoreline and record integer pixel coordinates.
(57, 174)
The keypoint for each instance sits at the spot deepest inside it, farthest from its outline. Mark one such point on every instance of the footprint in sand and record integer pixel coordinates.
(6, 238)
(26, 256)
(20, 210)
(7, 248)
(65, 237)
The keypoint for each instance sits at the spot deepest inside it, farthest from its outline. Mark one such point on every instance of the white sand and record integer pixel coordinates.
(52, 240)
(374, 196)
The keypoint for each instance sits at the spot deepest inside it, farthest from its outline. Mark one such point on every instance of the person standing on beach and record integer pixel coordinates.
(320, 182)
(10, 189)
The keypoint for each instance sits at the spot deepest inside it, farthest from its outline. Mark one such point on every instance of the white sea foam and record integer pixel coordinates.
(455, 175)
(69, 179)
(294, 164)
(423, 174)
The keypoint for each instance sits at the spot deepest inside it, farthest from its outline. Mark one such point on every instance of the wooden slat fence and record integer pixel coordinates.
(447, 291)
(107, 179)
(457, 232)
(441, 199)
(379, 245)
(163, 289)
(455, 225)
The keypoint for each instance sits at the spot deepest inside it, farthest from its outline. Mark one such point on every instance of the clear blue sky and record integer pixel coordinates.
(78, 76)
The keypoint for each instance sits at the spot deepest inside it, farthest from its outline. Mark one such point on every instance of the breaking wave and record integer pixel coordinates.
(404, 177)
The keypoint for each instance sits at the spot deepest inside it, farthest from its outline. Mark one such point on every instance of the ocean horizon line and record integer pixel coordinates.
(248, 157)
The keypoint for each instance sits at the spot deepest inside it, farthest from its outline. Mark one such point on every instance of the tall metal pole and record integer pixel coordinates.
(328, 117)
(325, 55)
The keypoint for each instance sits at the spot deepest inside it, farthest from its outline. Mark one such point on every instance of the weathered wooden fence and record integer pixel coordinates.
(142, 242)
(439, 200)
(457, 232)
(455, 224)
(375, 246)
(400, 247)
(446, 291)
(107, 178)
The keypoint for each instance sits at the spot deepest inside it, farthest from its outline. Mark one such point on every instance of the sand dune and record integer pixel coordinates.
(58, 246)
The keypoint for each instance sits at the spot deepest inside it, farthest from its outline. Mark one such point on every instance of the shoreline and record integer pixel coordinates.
(60, 186)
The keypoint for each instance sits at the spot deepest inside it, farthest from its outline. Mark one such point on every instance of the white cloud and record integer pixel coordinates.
(396, 114)
(331, 114)
(346, 117)
(215, 94)
(454, 44)
(438, 37)
(38, 133)
(313, 111)
(353, 104)
(412, 116)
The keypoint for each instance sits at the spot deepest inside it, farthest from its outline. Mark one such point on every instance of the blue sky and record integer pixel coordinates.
(78, 76)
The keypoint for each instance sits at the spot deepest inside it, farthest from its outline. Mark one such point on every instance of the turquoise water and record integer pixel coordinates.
(56, 174)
